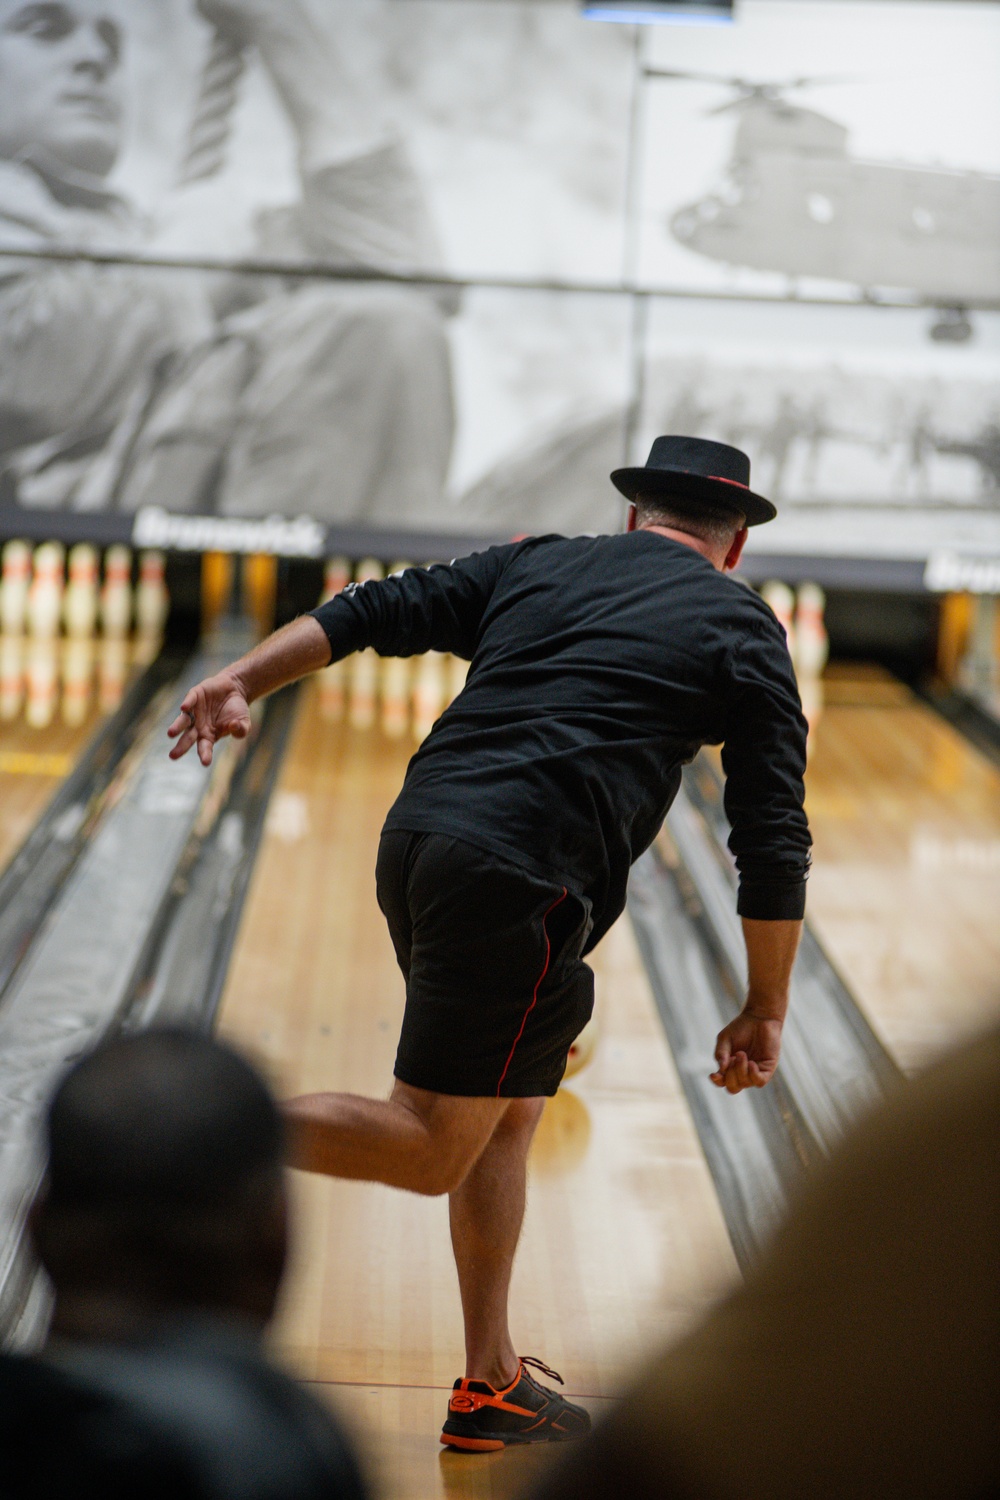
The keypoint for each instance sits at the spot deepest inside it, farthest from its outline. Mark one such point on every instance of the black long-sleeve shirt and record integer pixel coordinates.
(600, 665)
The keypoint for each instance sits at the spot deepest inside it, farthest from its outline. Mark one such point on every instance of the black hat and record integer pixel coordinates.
(700, 469)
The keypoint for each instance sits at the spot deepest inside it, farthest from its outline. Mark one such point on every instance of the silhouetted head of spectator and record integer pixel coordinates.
(164, 1192)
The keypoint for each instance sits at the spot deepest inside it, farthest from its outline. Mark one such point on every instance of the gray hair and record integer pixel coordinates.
(716, 524)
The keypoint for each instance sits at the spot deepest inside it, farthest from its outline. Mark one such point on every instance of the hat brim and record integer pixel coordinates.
(734, 497)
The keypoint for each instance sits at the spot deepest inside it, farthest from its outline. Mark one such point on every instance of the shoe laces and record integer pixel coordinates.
(537, 1364)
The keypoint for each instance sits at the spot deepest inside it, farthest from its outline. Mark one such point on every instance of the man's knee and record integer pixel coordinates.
(455, 1130)
(520, 1119)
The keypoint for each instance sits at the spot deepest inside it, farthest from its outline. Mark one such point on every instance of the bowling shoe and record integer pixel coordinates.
(482, 1419)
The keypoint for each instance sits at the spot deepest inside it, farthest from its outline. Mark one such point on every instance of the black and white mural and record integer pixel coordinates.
(785, 234)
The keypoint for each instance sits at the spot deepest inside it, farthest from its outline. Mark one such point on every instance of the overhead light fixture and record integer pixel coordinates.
(660, 12)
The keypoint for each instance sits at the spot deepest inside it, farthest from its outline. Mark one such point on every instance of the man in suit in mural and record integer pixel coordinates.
(121, 387)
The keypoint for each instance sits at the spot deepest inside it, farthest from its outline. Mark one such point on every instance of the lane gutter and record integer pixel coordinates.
(758, 1145)
(140, 930)
(31, 882)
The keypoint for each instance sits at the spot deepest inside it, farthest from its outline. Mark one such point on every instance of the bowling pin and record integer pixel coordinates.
(11, 676)
(80, 602)
(45, 596)
(116, 595)
(112, 672)
(42, 682)
(336, 576)
(429, 690)
(395, 695)
(812, 697)
(333, 679)
(152, 602)
(14, 588)
(78, 672)
(362, 683)
(812, 647)
(782, 601)
(363, 666)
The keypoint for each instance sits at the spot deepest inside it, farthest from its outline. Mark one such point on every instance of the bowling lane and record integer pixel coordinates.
(624, 1241)
(53, 697)
(905, 887)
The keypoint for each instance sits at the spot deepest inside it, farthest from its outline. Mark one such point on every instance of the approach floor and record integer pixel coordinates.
(624, 1242)
(905, 887)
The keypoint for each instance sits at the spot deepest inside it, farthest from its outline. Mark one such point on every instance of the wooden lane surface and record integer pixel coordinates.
(33, 762)
(624, 1241)
(905, 886)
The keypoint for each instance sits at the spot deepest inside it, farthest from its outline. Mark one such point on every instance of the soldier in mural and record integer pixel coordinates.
(121, 386)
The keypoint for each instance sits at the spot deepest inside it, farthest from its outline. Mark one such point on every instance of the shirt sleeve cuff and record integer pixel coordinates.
(773, 901)
(340, 626)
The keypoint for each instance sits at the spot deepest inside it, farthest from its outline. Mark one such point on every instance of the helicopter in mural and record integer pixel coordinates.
(794, 200)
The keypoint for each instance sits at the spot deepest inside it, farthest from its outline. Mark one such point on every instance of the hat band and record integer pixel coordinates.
(738, 483)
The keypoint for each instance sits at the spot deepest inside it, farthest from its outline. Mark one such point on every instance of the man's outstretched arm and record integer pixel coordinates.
(747, 1049)
(420, 609)
(221, 704)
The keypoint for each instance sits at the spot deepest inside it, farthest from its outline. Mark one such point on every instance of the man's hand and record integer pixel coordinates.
(216, 707)
(747, 1049)
(221, 704)
(747, 1052)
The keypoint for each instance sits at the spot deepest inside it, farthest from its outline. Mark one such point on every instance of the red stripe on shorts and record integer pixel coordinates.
(538, 985)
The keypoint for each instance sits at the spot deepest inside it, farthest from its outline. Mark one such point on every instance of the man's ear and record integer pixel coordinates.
(735, 551)
(632, 517)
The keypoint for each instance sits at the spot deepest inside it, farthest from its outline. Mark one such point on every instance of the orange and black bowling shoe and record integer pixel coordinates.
(482, 1419)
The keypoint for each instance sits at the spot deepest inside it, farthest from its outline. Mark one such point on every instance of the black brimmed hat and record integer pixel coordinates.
(698, 469)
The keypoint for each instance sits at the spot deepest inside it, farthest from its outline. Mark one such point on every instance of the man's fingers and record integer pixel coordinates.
(205, 750)
(737, 1075)
(179, 725)
(239, 728)
(723, 1051)
(190, 734)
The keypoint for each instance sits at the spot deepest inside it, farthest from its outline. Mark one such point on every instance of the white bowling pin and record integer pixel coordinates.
(336, 576)
(45, 595)
(80, 602)
(362, 681)
(14, 588)
(112, 672)
(396, 695)
(116, 595)
(78, 673)
(782, 601)
(811, 693)
(152, 602)
(42, 682)
(11, 676)
(812, 647)
(429, 690)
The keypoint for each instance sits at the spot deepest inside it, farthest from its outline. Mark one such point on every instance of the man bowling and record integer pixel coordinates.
(599, 666)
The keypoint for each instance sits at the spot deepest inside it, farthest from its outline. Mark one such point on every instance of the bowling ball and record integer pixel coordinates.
(582, 1049)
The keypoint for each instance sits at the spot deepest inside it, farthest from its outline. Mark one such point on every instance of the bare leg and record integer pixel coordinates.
(486, 1213)
(415, 1139)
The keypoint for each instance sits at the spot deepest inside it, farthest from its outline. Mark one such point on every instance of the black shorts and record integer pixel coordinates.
(496, 990)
